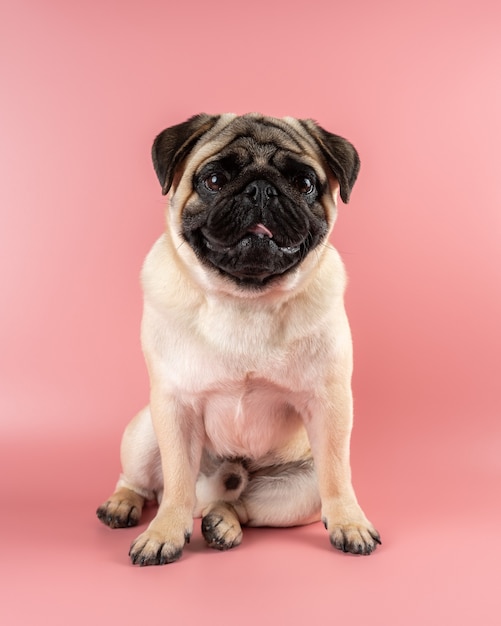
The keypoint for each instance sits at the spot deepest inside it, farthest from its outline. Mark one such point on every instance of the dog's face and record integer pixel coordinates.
(253, 195)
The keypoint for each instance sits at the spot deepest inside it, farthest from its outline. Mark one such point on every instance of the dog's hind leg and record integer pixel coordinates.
(281, 495)
(141, 475)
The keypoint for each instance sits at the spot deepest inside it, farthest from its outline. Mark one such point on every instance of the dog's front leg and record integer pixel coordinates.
(180, 439)
(329, 430)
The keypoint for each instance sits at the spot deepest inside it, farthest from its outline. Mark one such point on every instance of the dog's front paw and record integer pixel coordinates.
(349, 529)
(221, 527)
(153, 548)
(357, 538)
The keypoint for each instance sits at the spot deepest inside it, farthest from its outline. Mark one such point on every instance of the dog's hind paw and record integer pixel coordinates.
(221, 527)
(122, 510)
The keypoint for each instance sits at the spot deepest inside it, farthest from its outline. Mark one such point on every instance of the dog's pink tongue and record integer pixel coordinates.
(260, 229)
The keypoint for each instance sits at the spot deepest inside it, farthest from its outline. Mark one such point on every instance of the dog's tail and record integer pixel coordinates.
(226, 484)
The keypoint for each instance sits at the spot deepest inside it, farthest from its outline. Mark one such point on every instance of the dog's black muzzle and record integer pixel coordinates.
(254, 236)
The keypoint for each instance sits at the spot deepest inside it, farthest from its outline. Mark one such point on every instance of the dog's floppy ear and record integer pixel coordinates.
(340, 155)
(173, 144)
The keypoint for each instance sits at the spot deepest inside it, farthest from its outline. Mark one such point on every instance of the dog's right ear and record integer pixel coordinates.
(173, 144)
(340, 154)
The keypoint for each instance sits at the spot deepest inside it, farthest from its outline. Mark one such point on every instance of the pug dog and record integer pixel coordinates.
(246, 342)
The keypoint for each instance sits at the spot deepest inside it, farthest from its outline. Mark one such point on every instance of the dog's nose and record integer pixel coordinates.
(260, 191)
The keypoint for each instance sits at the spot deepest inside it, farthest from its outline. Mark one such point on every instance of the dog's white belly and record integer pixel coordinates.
(250, 419)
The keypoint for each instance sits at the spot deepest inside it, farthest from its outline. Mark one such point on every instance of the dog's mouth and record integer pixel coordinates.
(251, 260)
(251, 237)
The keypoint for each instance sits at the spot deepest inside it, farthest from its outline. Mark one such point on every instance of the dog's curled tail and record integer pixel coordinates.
(226, 484)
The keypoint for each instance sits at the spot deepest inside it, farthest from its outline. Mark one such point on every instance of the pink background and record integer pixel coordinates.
(85, 86)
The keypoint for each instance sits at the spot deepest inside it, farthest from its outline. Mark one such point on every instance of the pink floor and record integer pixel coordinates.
(439, 516)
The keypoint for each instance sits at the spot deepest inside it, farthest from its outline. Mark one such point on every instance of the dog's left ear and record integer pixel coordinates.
(340, 155)
(173, 144)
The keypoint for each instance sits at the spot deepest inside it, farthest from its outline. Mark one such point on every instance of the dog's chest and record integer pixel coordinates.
(250, 419)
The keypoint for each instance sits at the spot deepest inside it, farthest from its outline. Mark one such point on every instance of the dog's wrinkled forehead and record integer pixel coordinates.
(253, 144)
(262, 135)
(260, 150)
(264, 143)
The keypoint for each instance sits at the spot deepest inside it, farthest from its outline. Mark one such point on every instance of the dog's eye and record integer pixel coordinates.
(304, 184)
(216, 181)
